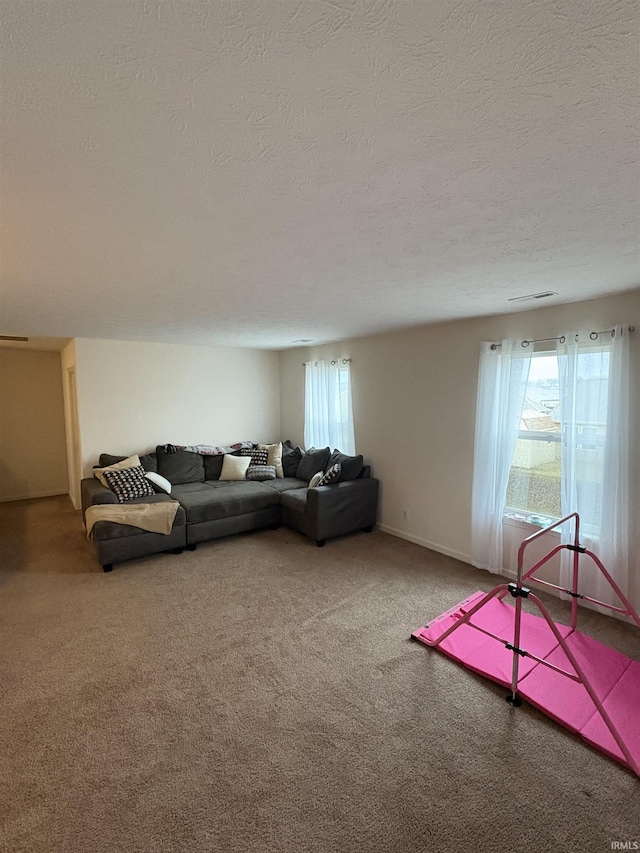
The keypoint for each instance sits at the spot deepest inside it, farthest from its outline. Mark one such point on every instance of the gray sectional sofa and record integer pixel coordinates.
(211, 508)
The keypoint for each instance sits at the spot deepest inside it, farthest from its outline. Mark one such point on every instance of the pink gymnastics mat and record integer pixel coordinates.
(545, 674)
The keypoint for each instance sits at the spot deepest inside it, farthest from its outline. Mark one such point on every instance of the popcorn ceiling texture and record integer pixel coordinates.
(249, 173)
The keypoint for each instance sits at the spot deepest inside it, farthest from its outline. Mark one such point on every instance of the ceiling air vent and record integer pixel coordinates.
(543, 295)
(12, 338)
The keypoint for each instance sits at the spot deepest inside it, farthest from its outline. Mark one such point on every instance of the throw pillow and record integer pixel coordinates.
(130, 462)
(234, 467)
(159, 483)
(148, 461)
(128, 483)
(315, 480)
(274, 452)
(106, 460)
(332, 475)
(258, 456)
(261, 472)
(213, 466)
(181, 466)
(351, 465)
(312, 461)
(291, 457)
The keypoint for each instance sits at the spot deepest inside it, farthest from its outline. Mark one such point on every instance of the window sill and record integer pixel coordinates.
(528, 521)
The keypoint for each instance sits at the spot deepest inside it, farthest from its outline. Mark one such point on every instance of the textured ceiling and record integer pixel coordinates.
(252, 173)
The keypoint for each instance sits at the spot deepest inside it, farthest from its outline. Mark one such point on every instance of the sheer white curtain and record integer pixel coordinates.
(504, 371)
(328, 412)
(594, 411)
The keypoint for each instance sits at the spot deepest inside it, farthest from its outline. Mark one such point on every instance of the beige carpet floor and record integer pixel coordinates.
(261, 694)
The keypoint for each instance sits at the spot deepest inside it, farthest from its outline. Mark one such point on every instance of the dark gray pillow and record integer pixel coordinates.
(313, 461)
(180, 467)
(107, 459)
(351, 465)
(148, 461)
(291, 457)
(213, 466)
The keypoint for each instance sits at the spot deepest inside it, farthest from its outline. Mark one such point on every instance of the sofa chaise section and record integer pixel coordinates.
(115, 543)
(328, 511)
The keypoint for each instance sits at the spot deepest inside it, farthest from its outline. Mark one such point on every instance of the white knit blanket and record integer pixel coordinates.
(154, 517)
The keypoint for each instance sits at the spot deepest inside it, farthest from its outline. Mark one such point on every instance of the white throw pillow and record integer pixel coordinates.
(313, 482)
(234, 467)
(274, 457)
(158, 480)
(131, 462)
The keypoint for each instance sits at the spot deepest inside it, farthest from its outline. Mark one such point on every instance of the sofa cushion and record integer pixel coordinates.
(286, 484)
(180, 467)
(128, 483)
(351, 465)
(296, 499)
(213, 466)
(223, 498)
(291, 457)
(312, 461)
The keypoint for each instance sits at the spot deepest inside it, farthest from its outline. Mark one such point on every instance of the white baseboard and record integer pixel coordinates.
(424, 543)
(32, 496)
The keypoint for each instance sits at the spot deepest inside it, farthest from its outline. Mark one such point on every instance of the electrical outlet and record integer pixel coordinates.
(405, 514)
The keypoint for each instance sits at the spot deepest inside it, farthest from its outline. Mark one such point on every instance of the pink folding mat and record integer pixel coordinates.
(587, 687)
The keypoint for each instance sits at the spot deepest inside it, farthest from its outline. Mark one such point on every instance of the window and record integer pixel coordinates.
(328, 420)
(534, 485)
(534, 476)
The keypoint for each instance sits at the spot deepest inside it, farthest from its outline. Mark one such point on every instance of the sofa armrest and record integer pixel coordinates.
(93, 492)
(343, 507)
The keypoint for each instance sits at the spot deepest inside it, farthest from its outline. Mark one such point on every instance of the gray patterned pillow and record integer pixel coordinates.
(261, 472)
(129, 483)
(332, 475)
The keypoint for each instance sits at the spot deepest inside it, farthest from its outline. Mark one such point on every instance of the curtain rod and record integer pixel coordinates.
(335, 361)
(593, 335)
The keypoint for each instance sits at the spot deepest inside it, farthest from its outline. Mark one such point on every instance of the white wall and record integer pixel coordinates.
(33, 459)
(133, 396)
(414, 398)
